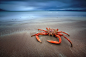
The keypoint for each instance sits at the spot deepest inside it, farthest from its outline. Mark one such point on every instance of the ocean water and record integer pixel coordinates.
(8, 16)
(22, 17)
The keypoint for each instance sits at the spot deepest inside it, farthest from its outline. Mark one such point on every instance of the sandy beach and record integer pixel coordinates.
(16, 40)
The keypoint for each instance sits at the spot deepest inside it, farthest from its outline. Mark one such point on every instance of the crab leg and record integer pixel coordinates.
(43, 33)
(57, 29)
(65, 38)
(68, 40)
(60, 34)
(42, 30)
(55, 42)
(63, 32)
(47, 28)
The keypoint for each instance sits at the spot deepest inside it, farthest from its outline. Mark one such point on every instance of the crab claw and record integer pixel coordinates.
(54, 42)
(38, 39)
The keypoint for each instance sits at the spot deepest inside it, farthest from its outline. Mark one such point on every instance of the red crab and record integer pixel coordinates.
(53, 32)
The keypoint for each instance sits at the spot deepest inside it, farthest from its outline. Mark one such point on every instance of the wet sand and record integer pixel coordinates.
(16, 40)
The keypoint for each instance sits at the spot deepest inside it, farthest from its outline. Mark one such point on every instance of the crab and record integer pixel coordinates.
(52, 32)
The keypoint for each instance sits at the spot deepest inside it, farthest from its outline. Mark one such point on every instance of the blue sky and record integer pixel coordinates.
(27, 5)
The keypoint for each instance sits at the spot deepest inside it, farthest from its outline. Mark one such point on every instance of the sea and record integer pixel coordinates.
(20, 17)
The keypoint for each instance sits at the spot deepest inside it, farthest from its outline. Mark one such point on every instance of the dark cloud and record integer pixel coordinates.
(24, 5)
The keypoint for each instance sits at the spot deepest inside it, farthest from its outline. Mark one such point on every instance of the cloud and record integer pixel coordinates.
(16, 6)
(26, 5)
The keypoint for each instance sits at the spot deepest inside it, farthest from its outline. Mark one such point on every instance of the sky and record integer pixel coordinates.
(32, 5)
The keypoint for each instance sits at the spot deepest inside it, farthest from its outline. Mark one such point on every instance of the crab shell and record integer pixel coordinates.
(52, 31)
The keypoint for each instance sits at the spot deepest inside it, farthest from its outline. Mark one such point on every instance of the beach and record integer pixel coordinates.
(16, 40)
(16, 29)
